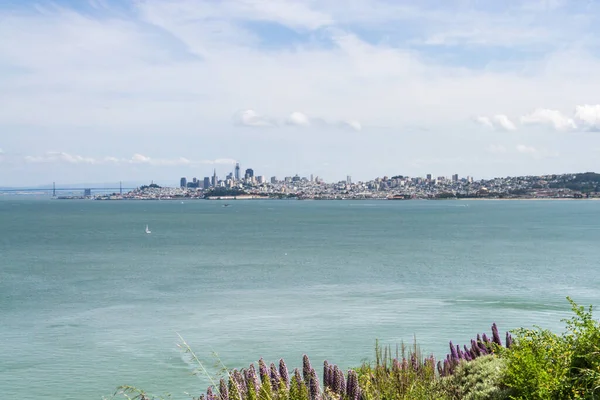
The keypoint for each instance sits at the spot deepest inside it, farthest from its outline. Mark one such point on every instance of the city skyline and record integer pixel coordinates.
(148, 89)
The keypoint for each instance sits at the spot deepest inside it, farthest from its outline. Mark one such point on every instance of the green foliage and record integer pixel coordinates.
(298, 391)
(223, 192)
(543, 365)
(386, 379)
(537, 364)
(480, 379)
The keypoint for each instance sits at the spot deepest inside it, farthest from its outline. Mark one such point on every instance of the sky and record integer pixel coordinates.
(141, 90)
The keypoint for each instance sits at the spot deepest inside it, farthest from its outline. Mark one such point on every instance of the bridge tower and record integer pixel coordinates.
(53, 189)
(121, 188)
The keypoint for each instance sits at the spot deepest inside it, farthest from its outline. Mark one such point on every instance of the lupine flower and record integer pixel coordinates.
(262, 370)
(306, 368)
(315, 390)
(485, 338)
(237, 380)
(326, 375)
(459, 352)
(252, 378)
(396, 365)
(479, 338)
(496, 335)
(509, 340)
(298, 378)
(414, 363)
(447, 367)
(453, 353)
(340, 382)
(283, 372)
(352, 388)
(474, 347)
(275, 378)
(223, 392)
(209, 394)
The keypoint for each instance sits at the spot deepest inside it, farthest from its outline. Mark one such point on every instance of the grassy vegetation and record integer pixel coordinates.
(535, 364)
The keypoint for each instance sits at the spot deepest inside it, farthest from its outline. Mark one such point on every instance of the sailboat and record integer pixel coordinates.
(148, 230)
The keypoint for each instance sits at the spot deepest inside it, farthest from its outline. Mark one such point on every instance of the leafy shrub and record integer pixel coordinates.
(477, 380)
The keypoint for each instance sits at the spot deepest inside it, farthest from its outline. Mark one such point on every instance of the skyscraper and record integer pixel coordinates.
(206, 182)
(183, 182)
(249, 173)
(349, 180)
(215, 180)
(237, 171)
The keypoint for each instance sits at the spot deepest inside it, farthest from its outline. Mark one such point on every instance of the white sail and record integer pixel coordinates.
(148, 230)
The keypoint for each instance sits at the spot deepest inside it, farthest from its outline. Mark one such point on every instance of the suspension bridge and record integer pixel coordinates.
(87, 191)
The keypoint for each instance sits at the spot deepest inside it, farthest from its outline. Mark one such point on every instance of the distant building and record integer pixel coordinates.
(429, 177)
(237, 171)
(455, 178)
(215, 180)
(273, 180)
(87, 192)
(348, 180)
(249, 173)
(206, 182)
(183, 182)
(261, 179)
(311, 178)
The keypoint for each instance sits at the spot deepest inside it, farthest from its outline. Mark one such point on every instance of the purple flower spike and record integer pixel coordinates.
(252, 378)
(209, 394)
(474, 347)
(439, 368)
(298, 378)
(396, 365)
(478, 338)
(283, 372)
(509, 340)
(352, 388)
(326, 381)
(340, 381)
(414, 363)
(483, 350)
(315, 390)
(263, 371)
(275, 378)
(453, 353)
(485, 338)
(496, 335)
(223, 391)
(461, 356)
(306, 368)
(446, 367)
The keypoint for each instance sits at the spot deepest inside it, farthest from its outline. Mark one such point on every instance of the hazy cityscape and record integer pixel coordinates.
(249, 185)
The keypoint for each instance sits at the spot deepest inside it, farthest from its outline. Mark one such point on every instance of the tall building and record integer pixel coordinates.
(206, 182)
(273, 180)
(215, 180)
(455, 178)
(349, 180)
(249, 173)
(183, 182)
(237, 171)
(429, 177)
(311, 178)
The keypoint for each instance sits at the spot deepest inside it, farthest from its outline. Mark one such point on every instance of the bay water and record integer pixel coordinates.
(89, 301)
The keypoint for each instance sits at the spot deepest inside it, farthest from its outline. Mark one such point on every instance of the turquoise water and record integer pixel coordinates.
(88, 301)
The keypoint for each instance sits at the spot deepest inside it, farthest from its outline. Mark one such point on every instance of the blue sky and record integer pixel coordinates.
(102, 91)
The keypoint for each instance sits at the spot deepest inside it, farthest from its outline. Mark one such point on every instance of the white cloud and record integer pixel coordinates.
(485, 121)
(62, 157)
(504, 123)
(588, 116)
(251, 118)
(536, 153)
(551, 118)
(351, 124)
(297, 119)
(498, 122)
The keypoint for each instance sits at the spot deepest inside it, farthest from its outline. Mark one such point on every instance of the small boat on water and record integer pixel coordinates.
(226, 205)
(148, 230)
